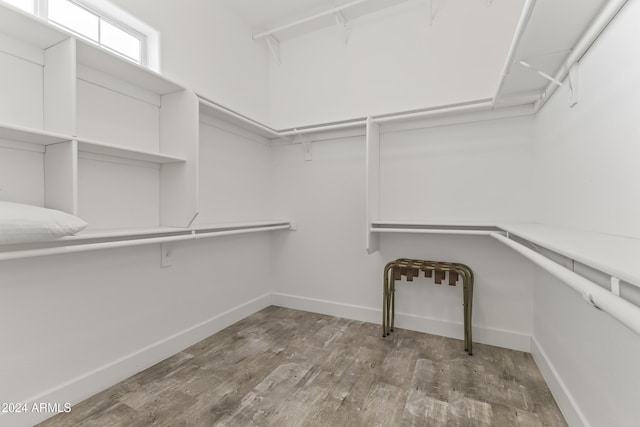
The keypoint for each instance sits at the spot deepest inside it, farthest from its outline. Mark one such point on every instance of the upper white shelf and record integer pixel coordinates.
(114, 150)
(615, 255)
(212, 109)
(28, 28)
(40, 137)
(122, 233)
(31, 135)
(123, 69)
(459, 227)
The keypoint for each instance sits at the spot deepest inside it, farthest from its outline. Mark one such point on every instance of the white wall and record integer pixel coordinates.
(109, 314)
(394, 61)
(586, 177)
(471, 172)
(208, 48)
(586, 157)
(324, 267)
(234, 174)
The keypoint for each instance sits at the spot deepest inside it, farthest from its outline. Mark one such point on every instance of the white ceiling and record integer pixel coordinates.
(553, 29)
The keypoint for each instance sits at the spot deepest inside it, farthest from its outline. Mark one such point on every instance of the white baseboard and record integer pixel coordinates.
(570, 409)
(507, 339)
(90, 383)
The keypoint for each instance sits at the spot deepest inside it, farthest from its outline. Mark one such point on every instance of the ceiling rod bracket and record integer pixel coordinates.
(343, 23)
(274, 48)
(434, 8)
(573, 80)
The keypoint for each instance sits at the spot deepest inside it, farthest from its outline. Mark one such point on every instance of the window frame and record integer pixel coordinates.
(41, 10)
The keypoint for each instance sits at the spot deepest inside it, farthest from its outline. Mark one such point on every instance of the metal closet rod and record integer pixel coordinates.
(331, 11)
(618, 308)
(193, 235)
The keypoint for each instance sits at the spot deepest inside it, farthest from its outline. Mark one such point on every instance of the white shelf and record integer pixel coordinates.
(113, 150)
(118, 238)
(408, 227)
(31, 135)
(123, 69)
(40, 137)
(212, 109)
(615, 255)
(153, 232)
(28, 28)
(122, 233)
(435, 224)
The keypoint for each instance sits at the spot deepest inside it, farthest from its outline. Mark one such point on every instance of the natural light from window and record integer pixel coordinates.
(75, 18)
(26, 5)
(119, 40)
(86, 19)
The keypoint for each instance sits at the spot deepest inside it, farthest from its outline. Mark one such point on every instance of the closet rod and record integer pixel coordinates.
(618, 308)
(606, 14)
(242, 231)
(271, 132)
(430, 231)
(323, 128)
(332, 11)
(31, 253)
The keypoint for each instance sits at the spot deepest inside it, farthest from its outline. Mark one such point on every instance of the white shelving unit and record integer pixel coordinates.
(616, 256)
(119, 143)
(135, 152)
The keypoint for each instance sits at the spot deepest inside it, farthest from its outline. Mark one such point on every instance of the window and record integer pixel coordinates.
(26, 5)
(85, 19)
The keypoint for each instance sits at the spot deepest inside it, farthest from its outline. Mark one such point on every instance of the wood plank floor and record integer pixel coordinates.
(282, 367)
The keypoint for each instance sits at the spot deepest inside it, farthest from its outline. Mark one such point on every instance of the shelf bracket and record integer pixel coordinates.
(541, 73)
(434, 8)
(306, 148)
(615, 286)
(573, 84)
(165, 255)
(343, 23)
(274, 48)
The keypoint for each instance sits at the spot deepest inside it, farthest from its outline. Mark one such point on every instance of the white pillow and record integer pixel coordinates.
(25, 223)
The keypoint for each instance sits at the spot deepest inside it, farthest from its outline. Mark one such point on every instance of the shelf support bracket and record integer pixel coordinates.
(165, 255)
(434, 8)
(573, 84)
(343, 23)
(306, 148)
(274, 48)
(541, 73)
(615, 286)
(573, 80)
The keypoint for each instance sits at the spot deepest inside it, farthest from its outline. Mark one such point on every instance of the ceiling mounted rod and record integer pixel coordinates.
(607, 13)
(515, 42)
(332, 11)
